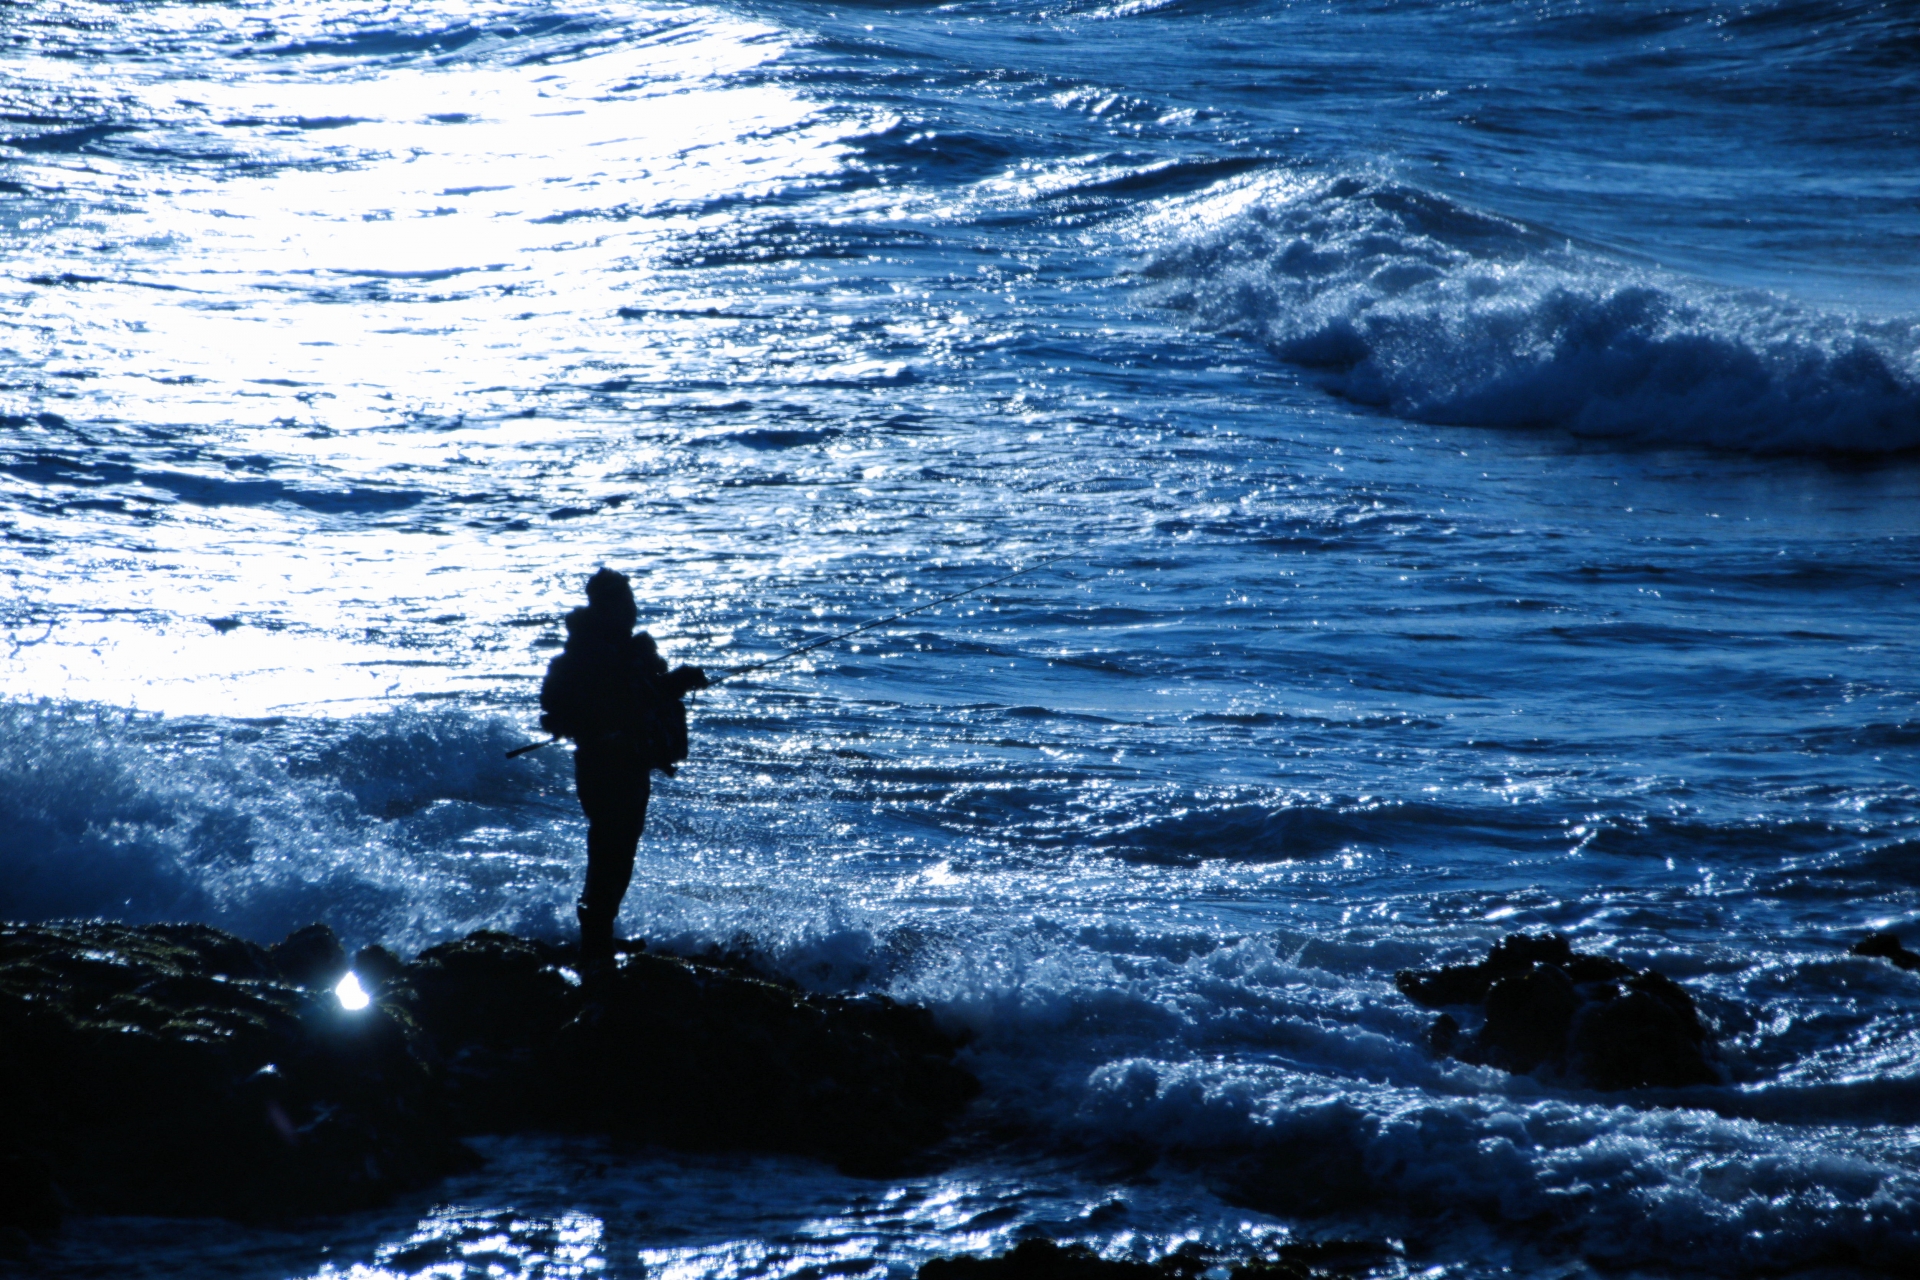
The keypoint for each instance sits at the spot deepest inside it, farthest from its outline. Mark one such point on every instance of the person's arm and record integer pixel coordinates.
(556, 704)
(683, 680)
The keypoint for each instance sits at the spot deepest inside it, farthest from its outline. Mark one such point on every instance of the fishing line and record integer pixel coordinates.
(811, 645)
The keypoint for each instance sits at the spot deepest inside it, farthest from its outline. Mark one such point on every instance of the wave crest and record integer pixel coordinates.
(1404, 300)
(374, 826)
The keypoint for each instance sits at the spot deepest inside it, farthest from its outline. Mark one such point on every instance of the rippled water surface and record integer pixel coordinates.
(1483, 432)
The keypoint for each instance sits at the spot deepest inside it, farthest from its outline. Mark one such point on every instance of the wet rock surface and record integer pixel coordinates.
(1544, 1009)
(680, 1052)
(176, 1069)
(1886, 946)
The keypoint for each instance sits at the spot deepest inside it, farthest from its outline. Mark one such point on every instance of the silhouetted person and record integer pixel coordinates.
(611, 692)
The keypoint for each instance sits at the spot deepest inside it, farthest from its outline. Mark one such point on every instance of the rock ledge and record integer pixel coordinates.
(1547, 1009)
(176, 1069)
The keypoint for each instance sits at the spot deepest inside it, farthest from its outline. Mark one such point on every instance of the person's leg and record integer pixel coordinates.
(611, 840)
(614, 795)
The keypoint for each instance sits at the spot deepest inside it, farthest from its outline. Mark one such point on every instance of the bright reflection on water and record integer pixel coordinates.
(352, 996)
(671, 1217)
(466, 1242)
(357, 260)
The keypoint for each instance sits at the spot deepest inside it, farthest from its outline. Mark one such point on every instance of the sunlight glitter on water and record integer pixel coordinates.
(458, 1241)
(398, 266)
(436, 235)
(753, 1218)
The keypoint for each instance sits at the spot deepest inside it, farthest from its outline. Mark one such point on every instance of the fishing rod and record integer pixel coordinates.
(810, 646)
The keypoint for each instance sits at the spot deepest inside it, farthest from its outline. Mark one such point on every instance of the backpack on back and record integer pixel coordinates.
(602, 685)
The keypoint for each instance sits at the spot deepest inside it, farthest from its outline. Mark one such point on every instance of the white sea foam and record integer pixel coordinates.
(1633, 1187)
(382, 826)
(1282, 1067)
(1408, 301)
(1308, 1090)
(405, 827)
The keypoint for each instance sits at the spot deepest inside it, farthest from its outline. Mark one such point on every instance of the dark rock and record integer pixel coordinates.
(1513, 955)
(1316, 1258)
(155, 1070)
(1546, 1008)
(1649, 1035)
(179, 1070)
(30, 1202)
(377, 967)
(1045, 1260)
(1886, 946)
(1528, 1017)
(310, 957)
(673, 1051)
(494, 1004)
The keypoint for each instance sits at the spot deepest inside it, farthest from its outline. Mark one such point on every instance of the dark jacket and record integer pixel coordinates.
(610, 691)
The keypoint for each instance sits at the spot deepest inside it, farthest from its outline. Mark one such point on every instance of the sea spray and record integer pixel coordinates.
(376, 825)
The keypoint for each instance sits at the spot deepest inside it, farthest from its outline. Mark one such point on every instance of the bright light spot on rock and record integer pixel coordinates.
(352, 994)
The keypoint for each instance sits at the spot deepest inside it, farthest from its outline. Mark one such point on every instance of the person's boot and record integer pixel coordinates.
(581, 1041)
(596, 934)
(596, 950)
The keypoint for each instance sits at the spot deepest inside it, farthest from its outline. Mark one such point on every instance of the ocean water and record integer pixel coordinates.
(1484, 433)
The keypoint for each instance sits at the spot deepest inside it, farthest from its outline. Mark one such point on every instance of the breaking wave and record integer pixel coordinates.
(1288, 1073)
(1404, 300)
(377, 826)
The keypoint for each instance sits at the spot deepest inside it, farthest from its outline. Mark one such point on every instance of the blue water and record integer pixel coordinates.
(1485, 432)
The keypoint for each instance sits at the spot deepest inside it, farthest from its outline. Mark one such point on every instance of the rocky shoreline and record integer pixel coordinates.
(176, 1070)
(1537, 1006)
(180, 1070)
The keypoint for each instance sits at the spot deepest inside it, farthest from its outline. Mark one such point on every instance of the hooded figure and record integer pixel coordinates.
(611, 692)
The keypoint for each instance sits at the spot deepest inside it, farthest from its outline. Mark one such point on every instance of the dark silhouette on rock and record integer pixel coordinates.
(611, 692)
(682, 1052)
(1045, 1260)
(176, 1069)
(309, 957)
(1886, 946)
(376, 966)
(1544, 1008)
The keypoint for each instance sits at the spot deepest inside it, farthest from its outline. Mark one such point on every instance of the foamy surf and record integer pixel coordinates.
(1416, 304)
